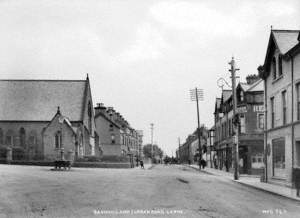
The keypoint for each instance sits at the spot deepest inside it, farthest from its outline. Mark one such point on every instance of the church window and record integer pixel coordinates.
(58, 140)
(1, 136)
(22, 137)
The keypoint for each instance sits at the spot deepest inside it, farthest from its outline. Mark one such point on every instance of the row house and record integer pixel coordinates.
(250, 113)
(281, 75)
(40, 119)
(188, 152)
(118, 138)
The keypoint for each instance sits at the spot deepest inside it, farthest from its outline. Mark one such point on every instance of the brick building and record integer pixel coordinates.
(281, 74)
(251, 119)
(29, 118)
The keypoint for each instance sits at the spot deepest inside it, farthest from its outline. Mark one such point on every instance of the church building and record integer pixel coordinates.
(40, 118)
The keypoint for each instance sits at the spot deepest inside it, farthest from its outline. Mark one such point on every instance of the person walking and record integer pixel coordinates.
(142, 164)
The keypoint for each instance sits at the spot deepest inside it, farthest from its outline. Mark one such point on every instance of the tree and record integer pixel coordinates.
(156, 151)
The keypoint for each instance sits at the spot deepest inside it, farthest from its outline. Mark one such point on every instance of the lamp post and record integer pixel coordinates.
(197, 95)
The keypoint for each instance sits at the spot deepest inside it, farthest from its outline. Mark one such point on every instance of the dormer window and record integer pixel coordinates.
(274, 68)
(280, 65)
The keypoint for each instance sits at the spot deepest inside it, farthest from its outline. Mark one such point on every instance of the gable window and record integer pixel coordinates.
(274, 68)
(298, 101)
(272, 112)
(280, 65)
(261, 121)
(58, 139)
(283, 95)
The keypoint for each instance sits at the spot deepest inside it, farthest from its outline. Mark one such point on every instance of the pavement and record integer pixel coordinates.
(254, 182)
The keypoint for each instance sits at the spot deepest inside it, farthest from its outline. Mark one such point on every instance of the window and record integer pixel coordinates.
(261, 121)
(242, 96)
(1, 136)
(242, 127)
(272, 112)
(274, 68)
(90, 117)
(113, 138)
(298, 101)
(58, 140)
(9, 140)
(22, 137)
(283, 95)
(280, 65)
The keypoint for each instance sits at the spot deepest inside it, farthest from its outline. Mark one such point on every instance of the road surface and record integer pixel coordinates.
(163, 191)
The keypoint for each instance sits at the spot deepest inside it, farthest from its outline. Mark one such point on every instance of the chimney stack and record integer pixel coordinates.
(100, 108)
(252, 78)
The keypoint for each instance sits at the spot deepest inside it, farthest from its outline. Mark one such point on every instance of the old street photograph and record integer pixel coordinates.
(149, 108)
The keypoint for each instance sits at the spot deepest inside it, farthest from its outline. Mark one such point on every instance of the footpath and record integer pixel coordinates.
(254, 182)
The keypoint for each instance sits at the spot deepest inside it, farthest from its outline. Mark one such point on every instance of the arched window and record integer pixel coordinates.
(1, 137)
(58, 139)
(274, 67)
(280, 65)
(9, 140)
(90, 116)
(22, 134)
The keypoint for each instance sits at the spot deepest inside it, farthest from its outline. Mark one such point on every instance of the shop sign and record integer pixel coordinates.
(258, 108)
(241, 110)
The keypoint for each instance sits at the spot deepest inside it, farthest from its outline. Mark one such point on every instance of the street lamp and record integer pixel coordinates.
(197, 95)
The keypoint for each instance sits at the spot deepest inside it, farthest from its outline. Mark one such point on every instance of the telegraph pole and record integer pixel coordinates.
(151, 126)
(197, 95)
(178, 149)
(233, 70)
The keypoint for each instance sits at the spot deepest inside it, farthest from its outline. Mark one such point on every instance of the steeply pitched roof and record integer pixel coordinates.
(285, 39)
(226, 94)
(244, 86)
(36, 100)
(218, 103)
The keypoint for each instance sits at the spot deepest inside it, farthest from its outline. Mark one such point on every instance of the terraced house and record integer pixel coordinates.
(40, 118)
(281, 74)
(118, 138)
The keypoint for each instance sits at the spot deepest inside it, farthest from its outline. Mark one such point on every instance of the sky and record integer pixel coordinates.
(142, 57)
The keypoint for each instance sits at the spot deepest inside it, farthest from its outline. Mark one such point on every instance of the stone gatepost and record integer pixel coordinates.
(8, 155)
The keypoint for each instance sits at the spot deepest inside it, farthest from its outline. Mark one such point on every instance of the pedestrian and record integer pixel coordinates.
(203, 163)
(142, 164)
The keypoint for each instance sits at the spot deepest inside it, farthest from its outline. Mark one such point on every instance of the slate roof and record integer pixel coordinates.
(245, 86)
(285, 39)
(37, 100)
(258, 86)
(226, 94)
